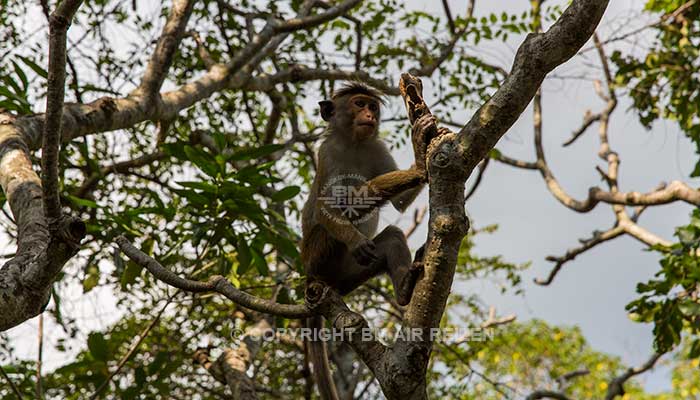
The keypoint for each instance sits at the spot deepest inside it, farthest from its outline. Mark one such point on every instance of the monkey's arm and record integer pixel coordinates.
(386, 164)
(338, 226)
(406, 198)
(401, 187)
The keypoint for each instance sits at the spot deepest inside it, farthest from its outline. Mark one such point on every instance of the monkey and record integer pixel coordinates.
(356, 175)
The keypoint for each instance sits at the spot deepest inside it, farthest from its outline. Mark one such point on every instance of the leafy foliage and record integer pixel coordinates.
(665, 83)
(670, 301)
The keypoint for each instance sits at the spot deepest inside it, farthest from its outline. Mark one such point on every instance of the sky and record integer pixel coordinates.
(591, 291)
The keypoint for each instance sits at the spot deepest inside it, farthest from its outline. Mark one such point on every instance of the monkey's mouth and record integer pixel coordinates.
(369, 124)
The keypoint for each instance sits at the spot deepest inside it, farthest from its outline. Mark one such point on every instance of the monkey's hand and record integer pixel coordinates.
(424, 129)
(365, 252)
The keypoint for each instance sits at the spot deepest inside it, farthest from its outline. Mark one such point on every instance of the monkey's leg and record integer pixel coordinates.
(391, 244)
(350, 274)
(394, 258)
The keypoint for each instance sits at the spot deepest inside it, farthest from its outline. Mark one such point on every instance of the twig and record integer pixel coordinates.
(202, 51)
(479, 177)
(279, 103)
(120, 167)
(447, 49)
(562, 380)
(587, 244)
(493, 321)
(588, 120)
(448, 15)
(496, 385)
(315, 20)
(12, 384)
(358, 34)
(418, 216)
(132, 349)
(39, 357)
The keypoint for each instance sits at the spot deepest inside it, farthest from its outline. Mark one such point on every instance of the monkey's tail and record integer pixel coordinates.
(319, 358)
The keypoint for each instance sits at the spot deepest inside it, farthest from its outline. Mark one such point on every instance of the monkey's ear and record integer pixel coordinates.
(327, 109)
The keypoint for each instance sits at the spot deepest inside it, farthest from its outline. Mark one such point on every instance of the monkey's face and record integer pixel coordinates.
(364, 110)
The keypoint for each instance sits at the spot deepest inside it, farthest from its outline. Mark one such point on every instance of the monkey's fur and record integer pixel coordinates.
(341, 251)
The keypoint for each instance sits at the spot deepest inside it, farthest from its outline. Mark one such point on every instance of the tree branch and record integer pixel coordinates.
(25, 280)
(546, 394)
(587, 244)
(330, 304)
(58, 27)
(301, 73)
(107, 114)
(624, 224)
(230, 368)
(616, 386)
(588, 120)
(315, 20)
(162, 58)
(216, 283)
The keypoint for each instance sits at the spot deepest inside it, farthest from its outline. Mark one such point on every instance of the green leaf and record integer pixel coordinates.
(98, 346)
(694, 351)
(689, 307)
(157, 364)
(131, 272)
(256, 152)
(92, 278)
(139, 376)
(203, 160)
(286, 193)
(31, 64)
(203, 186)
(82, 202)
(244, 255)
(259, 262)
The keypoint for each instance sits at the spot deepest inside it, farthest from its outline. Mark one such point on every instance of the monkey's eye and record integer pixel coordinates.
(373, 107)
(360, 103)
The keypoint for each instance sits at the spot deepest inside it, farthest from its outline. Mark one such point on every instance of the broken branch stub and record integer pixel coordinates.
(411, 89)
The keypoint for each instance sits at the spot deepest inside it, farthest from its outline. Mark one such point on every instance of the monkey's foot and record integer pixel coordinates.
(404, 289)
